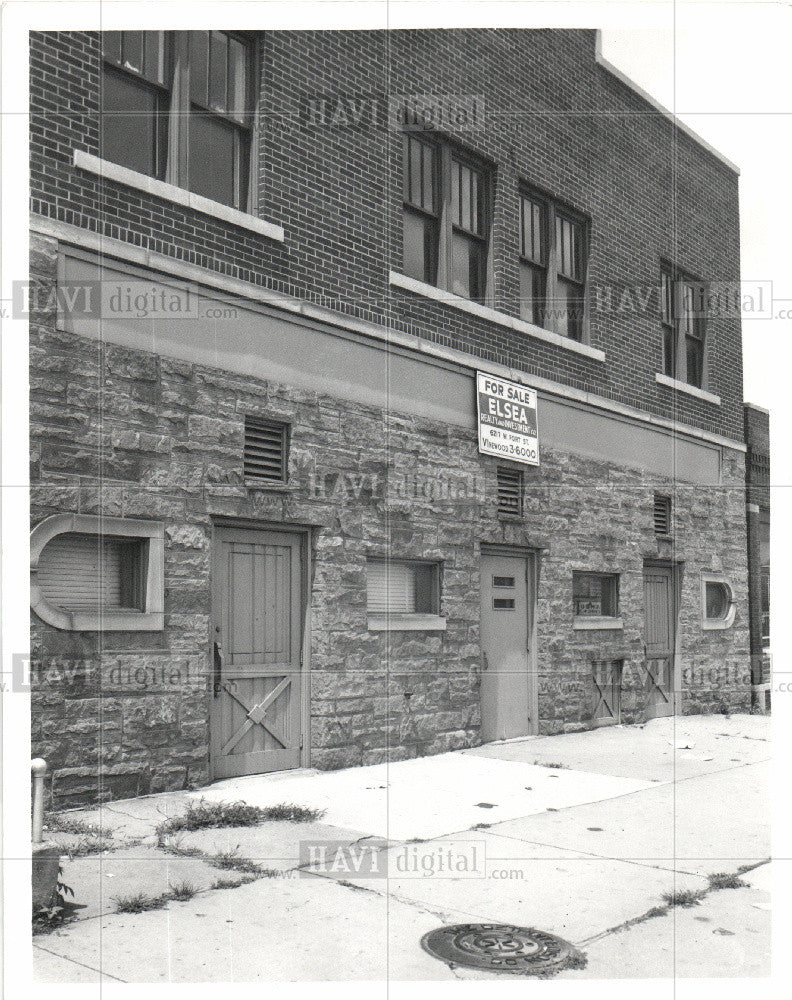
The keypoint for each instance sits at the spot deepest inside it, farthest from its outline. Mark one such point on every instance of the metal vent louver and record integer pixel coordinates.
(265, 450)
(510, 491)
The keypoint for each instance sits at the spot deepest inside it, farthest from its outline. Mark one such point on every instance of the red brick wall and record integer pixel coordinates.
(553, 117)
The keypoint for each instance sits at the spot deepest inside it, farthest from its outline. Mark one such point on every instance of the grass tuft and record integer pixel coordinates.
(726, 880)
(139, 902)
(233, 883)
(182, 891)
(555, 767)
(683, 897)
(211, 815)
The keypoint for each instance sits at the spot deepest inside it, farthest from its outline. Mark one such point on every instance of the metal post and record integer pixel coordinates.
(38, 769)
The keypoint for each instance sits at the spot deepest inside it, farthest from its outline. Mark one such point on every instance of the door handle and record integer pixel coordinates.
(218, 667)
(484, 661)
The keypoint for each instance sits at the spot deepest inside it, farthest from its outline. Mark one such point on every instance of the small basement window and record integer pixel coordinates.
(97, 574)
(718, 607)
(92, 572)
(266, 451)
(510, 491)
(595, 594)
(403, 594)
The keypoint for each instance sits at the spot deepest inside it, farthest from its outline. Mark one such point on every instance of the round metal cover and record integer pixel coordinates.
(502, 948)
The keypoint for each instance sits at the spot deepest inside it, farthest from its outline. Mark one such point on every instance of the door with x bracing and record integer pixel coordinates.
(255, 684)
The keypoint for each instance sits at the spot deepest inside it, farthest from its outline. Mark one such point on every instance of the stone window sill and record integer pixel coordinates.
(492, 315)
(132, 178)
(406, 623)
(691, 390)
(596, 622)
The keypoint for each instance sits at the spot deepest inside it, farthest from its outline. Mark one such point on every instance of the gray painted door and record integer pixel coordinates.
(659, 639)
(508, 682)
(255, 694)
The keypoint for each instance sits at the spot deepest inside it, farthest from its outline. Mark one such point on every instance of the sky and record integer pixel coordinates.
(723, 68)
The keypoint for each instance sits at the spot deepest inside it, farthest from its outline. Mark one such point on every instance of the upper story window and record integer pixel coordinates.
(682, 315)
(176, 106)
(136, 93)
(446, 217)
(553, 262)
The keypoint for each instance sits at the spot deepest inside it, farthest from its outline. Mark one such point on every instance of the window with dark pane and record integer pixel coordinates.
(444, 206)
(219, 126)
(569, 284)
(595, 594)
(667, 319)
(468, 243)
(510, 491)
(662, 514)
(266, 450)
(553, 261)
(683, 320)
(421, 230)
(135, 99)
(533, 260)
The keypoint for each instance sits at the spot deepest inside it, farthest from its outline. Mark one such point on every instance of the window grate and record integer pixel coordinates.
(662, 514)
(510, 491)
(266, 445)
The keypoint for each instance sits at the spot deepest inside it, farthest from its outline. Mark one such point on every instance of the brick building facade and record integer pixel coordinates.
(264, 531)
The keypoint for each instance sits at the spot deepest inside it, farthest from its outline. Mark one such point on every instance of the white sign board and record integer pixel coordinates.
(506, 419)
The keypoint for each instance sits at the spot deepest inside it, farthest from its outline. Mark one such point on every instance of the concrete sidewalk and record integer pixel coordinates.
(576, 835)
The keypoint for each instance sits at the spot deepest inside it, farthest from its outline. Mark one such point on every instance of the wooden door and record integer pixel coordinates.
(256, 634)
(659, 640)
(508, 679)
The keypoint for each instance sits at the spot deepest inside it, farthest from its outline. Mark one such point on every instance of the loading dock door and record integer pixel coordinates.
(659, 638)
(256, 673)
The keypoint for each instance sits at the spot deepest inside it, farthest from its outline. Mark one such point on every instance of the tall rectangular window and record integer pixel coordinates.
(135, 99)
(553, 264)
(421, 222)
(219, 139)
(445, 217)
(533, 260)
(197, 135)
(683, 321)
(468, 240)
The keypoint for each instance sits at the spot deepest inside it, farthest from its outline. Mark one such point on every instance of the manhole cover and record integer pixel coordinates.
(501, 948)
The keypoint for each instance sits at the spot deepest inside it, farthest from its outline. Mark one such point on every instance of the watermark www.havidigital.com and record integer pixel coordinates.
(394, 112)
(58, 672)
(103, 299)
(425, 860)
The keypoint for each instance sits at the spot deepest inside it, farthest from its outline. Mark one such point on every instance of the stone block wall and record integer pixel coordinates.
(123, 432)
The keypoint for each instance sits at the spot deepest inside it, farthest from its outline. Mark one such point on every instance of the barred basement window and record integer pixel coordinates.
(266, 451)
(402, 587)
(662, 514)
(92, 573)
(595, 594)
(510, 491)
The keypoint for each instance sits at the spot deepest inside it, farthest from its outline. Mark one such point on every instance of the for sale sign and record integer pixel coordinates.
(507, 419)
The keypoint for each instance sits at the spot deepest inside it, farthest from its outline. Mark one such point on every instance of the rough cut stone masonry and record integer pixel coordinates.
(131, 434)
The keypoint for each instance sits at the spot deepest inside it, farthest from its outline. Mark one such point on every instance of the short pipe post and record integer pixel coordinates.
(38, 769)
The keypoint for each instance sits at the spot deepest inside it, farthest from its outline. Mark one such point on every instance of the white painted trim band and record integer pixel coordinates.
(491, 315)
(132, 178)
(691, 390)
(105, 245)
